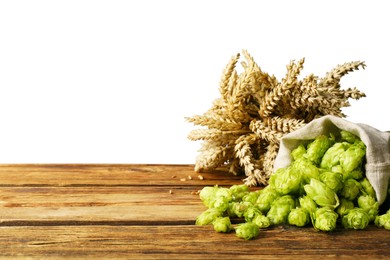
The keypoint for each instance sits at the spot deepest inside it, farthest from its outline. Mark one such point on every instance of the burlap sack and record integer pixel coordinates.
(377, 153)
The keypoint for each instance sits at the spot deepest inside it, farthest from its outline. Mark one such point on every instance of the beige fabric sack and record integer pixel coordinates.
(377, 153)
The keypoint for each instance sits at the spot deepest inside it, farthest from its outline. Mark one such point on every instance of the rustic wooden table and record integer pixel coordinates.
(144, 212)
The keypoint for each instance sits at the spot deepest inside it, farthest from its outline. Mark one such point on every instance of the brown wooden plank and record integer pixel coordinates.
(189, 242)
(75, 205)
(110, 174)
(128, 211)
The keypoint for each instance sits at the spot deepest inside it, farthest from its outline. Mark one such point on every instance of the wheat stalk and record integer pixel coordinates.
(243, 128)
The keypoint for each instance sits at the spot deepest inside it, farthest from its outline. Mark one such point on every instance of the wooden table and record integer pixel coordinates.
(144, 212)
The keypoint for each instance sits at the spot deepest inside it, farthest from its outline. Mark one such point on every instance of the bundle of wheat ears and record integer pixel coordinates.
(242, 129)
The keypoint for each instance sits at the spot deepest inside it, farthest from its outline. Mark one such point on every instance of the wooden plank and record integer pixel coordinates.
(111, 175)
(188, 242)
(99, 194)
(128, 211)
(76, 205)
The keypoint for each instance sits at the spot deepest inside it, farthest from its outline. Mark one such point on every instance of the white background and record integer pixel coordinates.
(111, 81)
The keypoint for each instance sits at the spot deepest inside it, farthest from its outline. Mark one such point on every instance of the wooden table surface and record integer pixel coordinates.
(144, 212)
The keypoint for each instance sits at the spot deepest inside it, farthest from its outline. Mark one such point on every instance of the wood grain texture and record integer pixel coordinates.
(144, 212)
(133, 204)
(187, 242)
(110, 175)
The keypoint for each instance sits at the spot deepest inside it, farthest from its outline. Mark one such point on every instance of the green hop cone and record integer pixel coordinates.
(251, 197)
(207, 195)
(344, 206)
(351, 189)
(237, 209)
(298, 217)
(348, 137)
(216, 197)
(307, 204)
(331, 157)
(360, 144)
(251, 212)
(321, 194)
(207, 217)
(356, 218)
(317, 148)
(325, 219)
(352, 158)
(221, 203)
(274, 176)
(239, 191)
(286, 181)
(261, 221)
(280, 209)
(383, 221)
(333, 180)
(298, 152)
(306, 169)
(266, 197)
(224, 192)
(369, 204)
(339, 169)
(222, 224)
(367, 188)
(247, 230)
(356, 174)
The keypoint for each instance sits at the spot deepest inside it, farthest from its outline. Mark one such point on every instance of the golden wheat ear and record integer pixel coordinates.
(242, 129)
